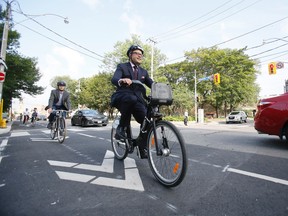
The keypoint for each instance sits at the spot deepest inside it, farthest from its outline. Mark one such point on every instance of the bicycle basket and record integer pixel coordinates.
(161, 94)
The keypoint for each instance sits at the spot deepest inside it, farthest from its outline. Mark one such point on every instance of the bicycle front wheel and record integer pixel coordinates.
(53, 130)
(169, 163)
(119, 147)
(61, 132)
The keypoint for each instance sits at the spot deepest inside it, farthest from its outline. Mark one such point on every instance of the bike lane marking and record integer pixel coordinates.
(260, 176)
(131, 181)
(2, 148)
(242, 172)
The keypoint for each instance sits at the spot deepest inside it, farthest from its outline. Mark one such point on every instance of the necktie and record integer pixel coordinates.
(135, 71)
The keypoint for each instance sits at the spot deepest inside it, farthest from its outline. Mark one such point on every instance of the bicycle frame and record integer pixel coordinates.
(59, 116)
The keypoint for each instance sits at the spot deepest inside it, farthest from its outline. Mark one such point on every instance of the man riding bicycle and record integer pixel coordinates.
(60, 100)
(34, 115)
(129, 100)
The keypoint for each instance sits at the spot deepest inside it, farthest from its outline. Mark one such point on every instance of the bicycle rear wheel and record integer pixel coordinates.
(169, 167)
(119, 147)
(53, 130)
(61, 132)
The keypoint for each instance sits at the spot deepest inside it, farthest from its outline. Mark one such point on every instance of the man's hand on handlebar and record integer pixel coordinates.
(126, 81)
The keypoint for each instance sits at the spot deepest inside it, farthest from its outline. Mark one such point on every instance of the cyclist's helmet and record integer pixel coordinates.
(61, 83)
(134, 47)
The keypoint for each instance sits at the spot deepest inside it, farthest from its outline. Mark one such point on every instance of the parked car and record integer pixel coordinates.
(89, 117)
(236, 116)
(272, 116)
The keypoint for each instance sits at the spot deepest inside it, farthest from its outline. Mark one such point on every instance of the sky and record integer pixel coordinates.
(95, 26)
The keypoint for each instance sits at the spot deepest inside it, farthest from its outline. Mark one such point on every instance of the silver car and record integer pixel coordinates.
(236, 116)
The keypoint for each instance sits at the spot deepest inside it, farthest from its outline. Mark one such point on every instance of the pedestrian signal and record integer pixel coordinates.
(216, 78)
(272, 68)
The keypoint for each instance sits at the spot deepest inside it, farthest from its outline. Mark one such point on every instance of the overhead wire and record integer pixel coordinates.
(179, 27)
(170, 37)
(59, 35)
(60, 43)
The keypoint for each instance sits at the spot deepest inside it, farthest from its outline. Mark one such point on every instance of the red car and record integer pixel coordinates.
(272, 116)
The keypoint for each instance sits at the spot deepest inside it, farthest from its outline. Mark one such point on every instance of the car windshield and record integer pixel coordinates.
(234, 113)
(90, 112)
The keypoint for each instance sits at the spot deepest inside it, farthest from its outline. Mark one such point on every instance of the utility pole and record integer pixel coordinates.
(2, 60)
(195, 95)
(152, 55)
(4, 47)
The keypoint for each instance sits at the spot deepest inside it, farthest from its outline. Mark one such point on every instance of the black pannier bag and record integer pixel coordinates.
(161, 94)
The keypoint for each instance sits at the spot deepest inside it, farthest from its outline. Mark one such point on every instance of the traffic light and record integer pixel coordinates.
(216, 78)
(272, 68)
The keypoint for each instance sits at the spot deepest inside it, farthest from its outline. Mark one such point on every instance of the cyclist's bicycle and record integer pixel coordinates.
(58, 127)
(165, 144)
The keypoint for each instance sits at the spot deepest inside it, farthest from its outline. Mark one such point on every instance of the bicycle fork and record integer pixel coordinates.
(165, 151)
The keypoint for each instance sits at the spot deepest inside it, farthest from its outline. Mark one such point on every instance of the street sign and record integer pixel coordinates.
(280, 65)
(2, 76)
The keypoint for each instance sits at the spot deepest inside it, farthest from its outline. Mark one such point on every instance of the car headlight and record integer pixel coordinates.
(89, 118)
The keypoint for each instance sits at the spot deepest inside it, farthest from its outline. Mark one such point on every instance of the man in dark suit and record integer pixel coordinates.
(59, 99)
(128, 100)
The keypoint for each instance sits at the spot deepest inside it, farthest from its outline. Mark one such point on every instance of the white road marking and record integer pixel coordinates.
(132, 179)
(255, 175)
(107, 165)
(74, 176)
(2, 147)
(86, 135)
(17, 134)
(61, 163)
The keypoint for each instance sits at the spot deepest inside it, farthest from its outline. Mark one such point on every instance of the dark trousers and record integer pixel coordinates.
(134, 107)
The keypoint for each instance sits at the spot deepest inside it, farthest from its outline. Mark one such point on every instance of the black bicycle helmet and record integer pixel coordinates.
(134, 47)
(61, 83)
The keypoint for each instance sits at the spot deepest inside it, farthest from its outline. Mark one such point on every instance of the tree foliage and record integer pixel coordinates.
(22, 73)
(238, 76)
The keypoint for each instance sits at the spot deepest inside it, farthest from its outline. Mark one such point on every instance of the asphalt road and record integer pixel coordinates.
(232, 171)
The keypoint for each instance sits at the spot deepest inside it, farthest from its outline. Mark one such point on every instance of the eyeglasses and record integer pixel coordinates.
(137, 53)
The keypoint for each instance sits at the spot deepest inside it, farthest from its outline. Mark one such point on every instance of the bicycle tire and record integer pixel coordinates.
(53, 130)
(170, 167)
(61, 132)
(119, 147)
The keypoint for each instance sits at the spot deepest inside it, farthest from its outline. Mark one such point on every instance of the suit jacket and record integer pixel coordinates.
(125, 70)
(54, 98)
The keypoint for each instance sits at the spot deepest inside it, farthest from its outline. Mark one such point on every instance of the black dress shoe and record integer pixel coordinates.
(120, 133)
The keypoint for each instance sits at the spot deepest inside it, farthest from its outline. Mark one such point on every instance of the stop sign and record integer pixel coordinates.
(2, 76)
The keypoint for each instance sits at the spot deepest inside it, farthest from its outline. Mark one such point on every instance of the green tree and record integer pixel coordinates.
(238, 76)
(22, 73)
(119, 55)
(96, 91)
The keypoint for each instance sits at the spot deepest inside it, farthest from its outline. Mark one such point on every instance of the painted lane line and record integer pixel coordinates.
(61, 163)
(74, 176)
(17, 134)
(2, 147)
(255, 175)
(86, 135)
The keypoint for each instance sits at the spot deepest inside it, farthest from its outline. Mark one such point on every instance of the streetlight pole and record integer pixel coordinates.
(4, 46)
(195, 95)
(152, 56)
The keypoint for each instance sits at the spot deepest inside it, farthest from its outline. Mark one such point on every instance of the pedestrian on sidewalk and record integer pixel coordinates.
(186, 118)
